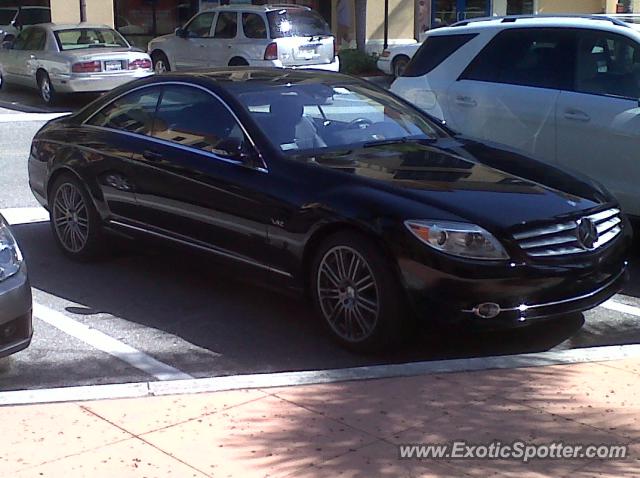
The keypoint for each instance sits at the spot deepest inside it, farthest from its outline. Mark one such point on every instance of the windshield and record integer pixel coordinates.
(308, 117)
(297, 23)
(7, 15)
(82, 38)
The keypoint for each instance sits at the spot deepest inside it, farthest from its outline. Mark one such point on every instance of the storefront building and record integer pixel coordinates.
(141, 20)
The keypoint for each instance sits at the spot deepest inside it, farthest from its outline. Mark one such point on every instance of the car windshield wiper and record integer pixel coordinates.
(404, 140)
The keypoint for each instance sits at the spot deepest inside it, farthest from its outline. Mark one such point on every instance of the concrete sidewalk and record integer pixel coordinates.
(338, 429)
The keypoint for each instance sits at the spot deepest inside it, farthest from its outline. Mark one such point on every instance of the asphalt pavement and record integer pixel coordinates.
(148, 313)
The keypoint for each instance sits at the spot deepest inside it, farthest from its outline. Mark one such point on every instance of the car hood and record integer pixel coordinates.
(451, 177)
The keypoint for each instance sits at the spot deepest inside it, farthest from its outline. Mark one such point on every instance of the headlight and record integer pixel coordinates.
(10, 255)
(458, 239)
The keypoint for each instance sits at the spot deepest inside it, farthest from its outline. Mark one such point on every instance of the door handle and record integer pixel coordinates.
(152, 156)
(577, 115)
(466, 101)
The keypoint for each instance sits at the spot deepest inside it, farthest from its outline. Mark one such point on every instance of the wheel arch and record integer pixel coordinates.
(240, 61)
(323, 232)
(64, 169)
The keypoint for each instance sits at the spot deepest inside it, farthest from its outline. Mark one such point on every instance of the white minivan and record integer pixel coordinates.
(290, 36)
(564, 90)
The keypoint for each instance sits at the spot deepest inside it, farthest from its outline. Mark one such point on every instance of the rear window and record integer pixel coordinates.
(296, 22)
(434, 51)
(83, 38)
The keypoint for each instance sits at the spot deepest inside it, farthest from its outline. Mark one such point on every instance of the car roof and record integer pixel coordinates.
(260, 8)
(56, 27)
(532, 21)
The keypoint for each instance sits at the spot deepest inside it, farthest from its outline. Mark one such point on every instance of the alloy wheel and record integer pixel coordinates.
(348, 294)
(71, 218)
(45, 89)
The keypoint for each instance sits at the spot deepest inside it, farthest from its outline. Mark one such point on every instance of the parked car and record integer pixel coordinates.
(564, 90)
(13, 19)
(15, 295)
(331, 184)
(291, 36)
(393, 61)
(71, 59)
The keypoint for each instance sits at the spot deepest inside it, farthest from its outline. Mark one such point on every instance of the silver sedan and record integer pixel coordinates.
(15, 295)
(71, 59)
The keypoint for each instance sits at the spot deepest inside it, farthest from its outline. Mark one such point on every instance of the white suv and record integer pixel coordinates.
(565, 90)
(266, 35)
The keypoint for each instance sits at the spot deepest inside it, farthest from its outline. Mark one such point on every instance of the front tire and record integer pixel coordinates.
(47, 93)
(75, 222)
(356, 292)
(399, 65)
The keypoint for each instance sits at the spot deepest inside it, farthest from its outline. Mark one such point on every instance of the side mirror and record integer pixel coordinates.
(237, 150)
(181, 33)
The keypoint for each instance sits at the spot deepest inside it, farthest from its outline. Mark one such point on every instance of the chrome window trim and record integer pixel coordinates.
(203, 247)
(264, 168)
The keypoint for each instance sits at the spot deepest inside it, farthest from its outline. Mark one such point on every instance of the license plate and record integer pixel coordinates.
(113, 65)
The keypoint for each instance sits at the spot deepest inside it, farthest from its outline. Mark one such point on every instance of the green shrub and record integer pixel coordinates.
(355, 62)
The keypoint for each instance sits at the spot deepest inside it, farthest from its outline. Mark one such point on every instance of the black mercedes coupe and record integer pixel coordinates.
(331, 185)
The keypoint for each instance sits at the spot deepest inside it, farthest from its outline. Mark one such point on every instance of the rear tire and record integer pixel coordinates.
(75, 222)
(47, 93)
(160, 63)
(357, 293)
(238, 62)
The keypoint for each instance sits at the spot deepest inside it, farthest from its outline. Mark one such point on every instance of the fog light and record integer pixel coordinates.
(488, 310)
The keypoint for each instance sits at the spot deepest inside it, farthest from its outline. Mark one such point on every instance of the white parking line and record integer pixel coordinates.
(25, 215)
(105, 343)
(624, 308)
(22, 117)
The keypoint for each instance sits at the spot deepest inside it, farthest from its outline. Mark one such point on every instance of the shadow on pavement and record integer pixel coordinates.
(247, 327)
(27, 100)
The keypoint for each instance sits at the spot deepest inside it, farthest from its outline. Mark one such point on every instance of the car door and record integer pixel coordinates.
(599, 119)
(224, 45)
(191, 50)
(508, 93)
(252, 42)
(15, 59)
(190, 186)
(112, 136)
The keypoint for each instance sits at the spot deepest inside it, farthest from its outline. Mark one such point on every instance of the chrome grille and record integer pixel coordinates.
(564, 238)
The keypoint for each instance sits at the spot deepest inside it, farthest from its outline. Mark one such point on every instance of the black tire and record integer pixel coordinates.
(400, 64)
(365, 315)
(75, 222)
(47, 92)
(236, 61)
(160, 62)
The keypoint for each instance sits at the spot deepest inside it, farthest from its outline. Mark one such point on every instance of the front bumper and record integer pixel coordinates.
(16, 327)
(451, 291)
(95, 82)
(384, 65)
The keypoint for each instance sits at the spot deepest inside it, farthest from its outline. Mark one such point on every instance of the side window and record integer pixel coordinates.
(200, 26)
(540, 57)
(133, 112)
(434, 51)
(192, 117)
(22, 39)
(36, 40)
(253, 26)
(227, 25)
(607, 64)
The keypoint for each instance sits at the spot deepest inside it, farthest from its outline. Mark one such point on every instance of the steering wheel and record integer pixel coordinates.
(360, 123)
